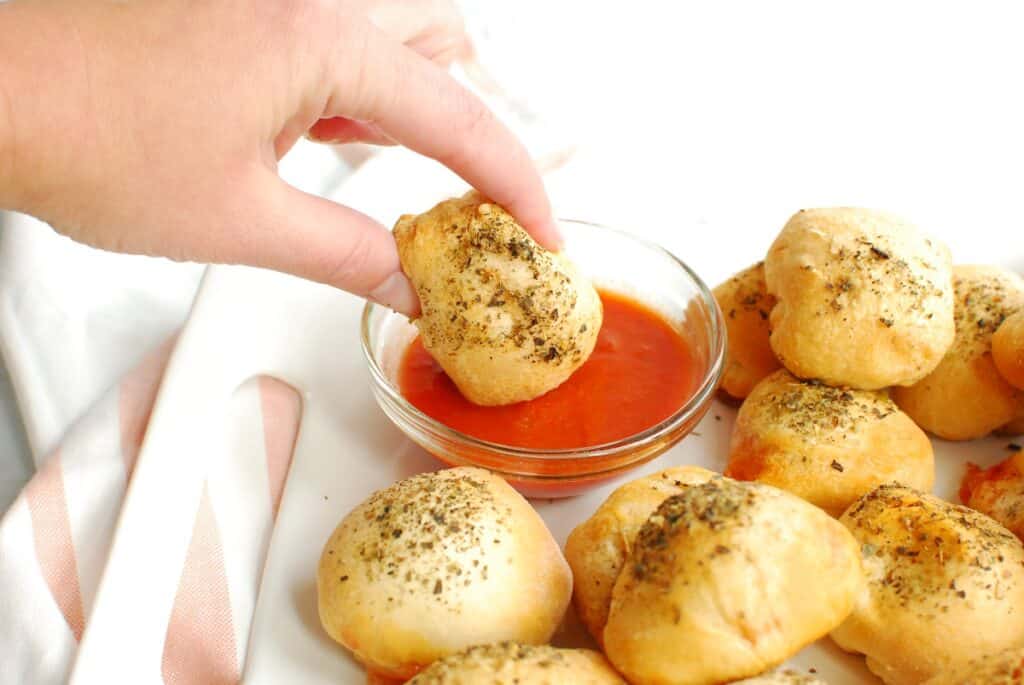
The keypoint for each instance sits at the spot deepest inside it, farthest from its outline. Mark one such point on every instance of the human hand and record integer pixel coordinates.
(155, 127)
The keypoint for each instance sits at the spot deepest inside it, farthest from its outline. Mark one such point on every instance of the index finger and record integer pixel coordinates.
(422, 107)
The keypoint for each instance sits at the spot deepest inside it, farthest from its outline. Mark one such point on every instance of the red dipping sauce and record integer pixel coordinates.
(640, 373)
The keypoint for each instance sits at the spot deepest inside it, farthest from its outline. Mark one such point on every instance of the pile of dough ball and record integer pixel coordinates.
(452, 578)
(879, 338)
(506, 319)
(854, 337)
(690, 578)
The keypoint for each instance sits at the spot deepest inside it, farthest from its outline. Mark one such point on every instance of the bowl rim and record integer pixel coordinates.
(704, 392)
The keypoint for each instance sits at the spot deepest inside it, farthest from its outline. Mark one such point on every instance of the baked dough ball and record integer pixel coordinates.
(510, 663)
(945, 584)
(437, 563)
(997, 492)
(746, 304)
(1015, 427)
(1004, 668)
(826, 445)
(786, 677)
(1008, 349)
(598, 548)
(506, 319)
(864, 299)
(965, 397)
(728, 579)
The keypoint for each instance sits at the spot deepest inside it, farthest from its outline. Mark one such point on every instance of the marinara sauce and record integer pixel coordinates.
(640, 373)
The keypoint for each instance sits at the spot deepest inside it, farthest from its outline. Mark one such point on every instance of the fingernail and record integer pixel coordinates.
(396, 292)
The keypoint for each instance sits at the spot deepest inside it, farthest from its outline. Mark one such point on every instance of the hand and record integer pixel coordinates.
(155, 126)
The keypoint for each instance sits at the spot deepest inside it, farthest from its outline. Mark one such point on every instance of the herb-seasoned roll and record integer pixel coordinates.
(437, 563)
(865, 300)
(945, 585)
(506, 319)
(826, 445)
(965, 397)
(726, 580)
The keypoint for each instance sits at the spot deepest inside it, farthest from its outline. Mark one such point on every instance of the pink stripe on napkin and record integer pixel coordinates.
(200, 646)
(282, 410)
(55, 551)
(137, 394)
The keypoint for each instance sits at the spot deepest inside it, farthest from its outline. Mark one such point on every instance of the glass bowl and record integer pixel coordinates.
(615, 261)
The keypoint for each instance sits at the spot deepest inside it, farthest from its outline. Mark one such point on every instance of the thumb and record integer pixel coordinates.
(314, 238)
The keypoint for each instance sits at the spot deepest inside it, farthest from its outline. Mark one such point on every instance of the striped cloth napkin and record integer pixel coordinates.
(73, 321)
(55, 536)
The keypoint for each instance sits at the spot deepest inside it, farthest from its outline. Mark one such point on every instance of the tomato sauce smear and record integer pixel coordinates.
(641, 372)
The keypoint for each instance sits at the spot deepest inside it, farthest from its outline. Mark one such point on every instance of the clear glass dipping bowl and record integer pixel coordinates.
(615, 261)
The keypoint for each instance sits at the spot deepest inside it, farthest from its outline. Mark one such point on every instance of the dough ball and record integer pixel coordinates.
(728, 579)
(437, 563)
(1008, 349)
(945, 584)
(746, 304)
(509, 663)
(506, 319)
(1004, 668)
(965, 397)
(598, 548)
(826, 445)
(864, 299)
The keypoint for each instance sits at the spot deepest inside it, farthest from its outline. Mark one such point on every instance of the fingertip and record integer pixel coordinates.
(549, 235)
(396, 292)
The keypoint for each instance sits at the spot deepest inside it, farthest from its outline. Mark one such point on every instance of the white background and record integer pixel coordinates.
(738, 112)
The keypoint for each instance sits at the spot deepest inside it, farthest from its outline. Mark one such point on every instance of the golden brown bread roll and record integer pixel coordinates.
(509, 663)
(997, 492)
(864, 299)
(726, 580)
(1008, 349)
(598, 548)
(1003, 668)
(786, 677)
(506, 319)
(826, 445)
(746, 304)
(1014, 427)
(965, 397)
(437, 563)
(945, 584)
